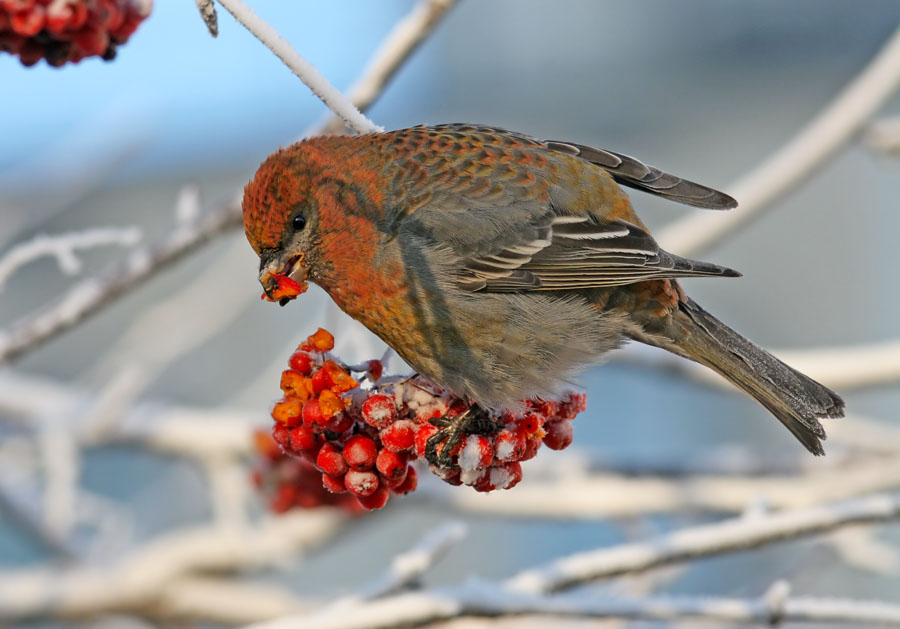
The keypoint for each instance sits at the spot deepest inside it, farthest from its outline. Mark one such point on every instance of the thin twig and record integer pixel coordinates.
(305, 71)
(818, 141)
(704, 541)
(63, 248)
(480, 599)
(397, 47)
(94, 294)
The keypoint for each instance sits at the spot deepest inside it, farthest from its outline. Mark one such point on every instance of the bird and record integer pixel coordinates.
(499, 266)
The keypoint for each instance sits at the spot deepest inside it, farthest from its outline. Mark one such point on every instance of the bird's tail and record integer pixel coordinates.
(796, 400)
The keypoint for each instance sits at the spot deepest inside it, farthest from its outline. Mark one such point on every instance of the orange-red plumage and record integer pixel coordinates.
(497, 264)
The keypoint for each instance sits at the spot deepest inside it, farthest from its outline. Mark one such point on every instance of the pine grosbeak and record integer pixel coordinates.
(498, 265)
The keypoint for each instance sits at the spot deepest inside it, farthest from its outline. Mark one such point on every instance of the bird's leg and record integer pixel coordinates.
(473, 421)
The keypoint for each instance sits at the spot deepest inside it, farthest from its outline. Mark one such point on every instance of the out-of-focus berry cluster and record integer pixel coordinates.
(360, 442)
(63, 31)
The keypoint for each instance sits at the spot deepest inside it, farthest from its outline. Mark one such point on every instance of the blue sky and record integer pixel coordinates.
(190, 95)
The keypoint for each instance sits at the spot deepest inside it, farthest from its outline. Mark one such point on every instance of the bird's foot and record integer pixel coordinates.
(473, 421)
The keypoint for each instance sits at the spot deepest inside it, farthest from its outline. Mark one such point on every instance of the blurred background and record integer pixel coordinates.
(701, 88)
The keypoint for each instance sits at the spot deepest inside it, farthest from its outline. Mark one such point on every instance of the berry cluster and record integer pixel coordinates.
(61, 31)
(363, 440)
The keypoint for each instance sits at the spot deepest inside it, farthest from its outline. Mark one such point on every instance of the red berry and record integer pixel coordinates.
(92, 40)
(322, 340)
(559, 434)
(331, 461)
(301, 363)
(531, 448)
(31, 53)
(509, 477)
(312, 414)
(282, 435)
(476, 453)
(391, 465)
(376, 500)
(379, 411)
(340, 423)
(509, 445)
(285, 498)
(320, 381)
(410, 483)
(423, 433)
(333, 484)
(303, 438)
(360, 452)
(28, 22)
(361, 483)
(399, 436)
(448, 475)
(288, 412)
(375, 369)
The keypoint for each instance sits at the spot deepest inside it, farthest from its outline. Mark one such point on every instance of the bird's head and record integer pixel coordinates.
(281, 223)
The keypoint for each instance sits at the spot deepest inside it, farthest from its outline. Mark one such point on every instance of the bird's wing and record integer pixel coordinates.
(490, 203)
(578, 252)
(633, 173)
(626, 170)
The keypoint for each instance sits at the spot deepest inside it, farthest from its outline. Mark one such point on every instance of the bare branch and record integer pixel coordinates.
(63, 248)
(704, 541)
(139, 579)
(818, 141)
(208, 13)
(305, 71)
(481, 599)
(91, 295)
(397, 47)
(883, 136)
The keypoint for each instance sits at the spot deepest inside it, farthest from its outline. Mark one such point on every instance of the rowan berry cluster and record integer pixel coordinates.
(362, 441)
(63, 31)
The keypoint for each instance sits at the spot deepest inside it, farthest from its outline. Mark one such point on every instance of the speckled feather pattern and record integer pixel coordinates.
(497, 264)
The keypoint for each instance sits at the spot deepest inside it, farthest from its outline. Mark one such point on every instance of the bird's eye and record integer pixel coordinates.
(299, 222)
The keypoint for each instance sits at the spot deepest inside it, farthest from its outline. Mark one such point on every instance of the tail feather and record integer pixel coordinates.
(798, 401)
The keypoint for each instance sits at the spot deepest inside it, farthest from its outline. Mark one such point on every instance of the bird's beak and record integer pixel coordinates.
(282, 278)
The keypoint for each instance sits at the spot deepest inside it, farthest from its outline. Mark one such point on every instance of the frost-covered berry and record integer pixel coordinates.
(331, 461)
(360, 452)
(476, 453)
(509, 445)
(399, 436)
(559, 434)
(334, 484)
(391, 466)
(379, 411)
(409, 484)
(361, 483)
(376, 500)
(303, 438)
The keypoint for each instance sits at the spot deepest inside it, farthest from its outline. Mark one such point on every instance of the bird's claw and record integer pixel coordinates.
(473, 421)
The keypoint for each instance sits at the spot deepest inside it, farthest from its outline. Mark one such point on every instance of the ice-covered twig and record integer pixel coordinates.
(207, 10)
(92, 294)
(479, 598)
(400, 43)
(819, 140)
(63, 248)
(614, 495)
(704, 541)
(305, 71)
(406, 568)
(140, 578)
(883, 136)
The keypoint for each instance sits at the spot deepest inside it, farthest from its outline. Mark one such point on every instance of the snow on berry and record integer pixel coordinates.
(337, 443)
(67, 31)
